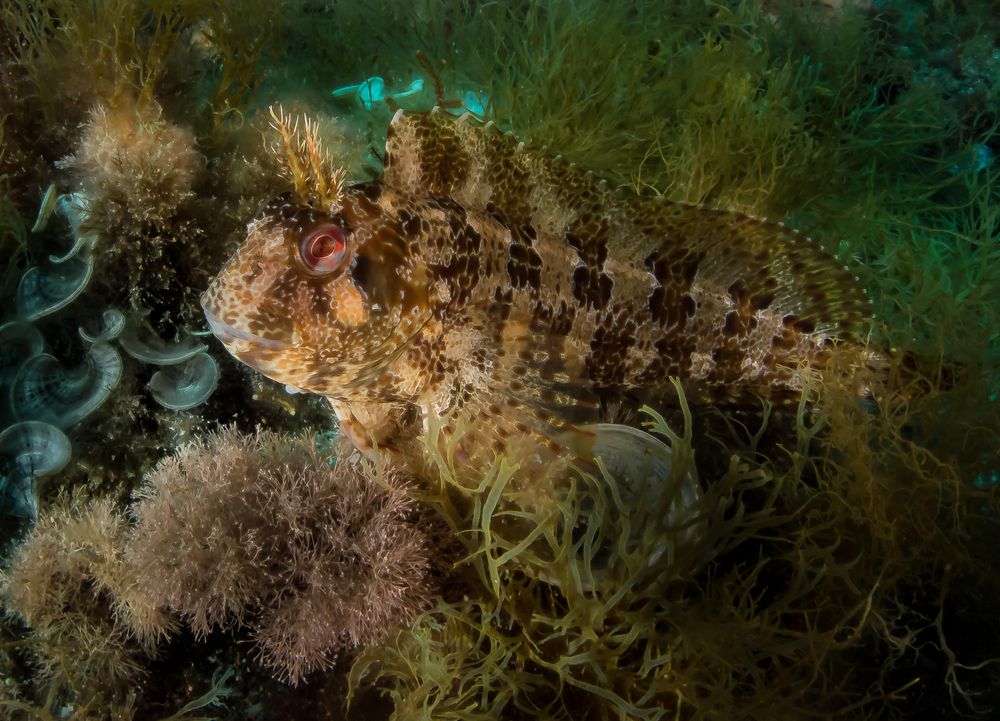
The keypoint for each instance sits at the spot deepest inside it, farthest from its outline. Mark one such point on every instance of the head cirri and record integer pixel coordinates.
(319, 301)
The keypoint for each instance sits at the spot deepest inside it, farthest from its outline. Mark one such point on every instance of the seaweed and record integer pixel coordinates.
(70, 584)
(125, 47)
(312, 553)
(804, 561)
(103, 42)
(245, 39)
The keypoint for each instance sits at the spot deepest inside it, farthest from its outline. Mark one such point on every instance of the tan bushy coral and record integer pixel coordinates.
(70, 584)
(135, 168)
(136, 174)
(263, 531)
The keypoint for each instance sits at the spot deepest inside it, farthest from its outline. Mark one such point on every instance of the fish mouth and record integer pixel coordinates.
(227, 334)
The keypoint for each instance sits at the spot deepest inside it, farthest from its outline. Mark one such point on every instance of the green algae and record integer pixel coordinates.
(125, 47)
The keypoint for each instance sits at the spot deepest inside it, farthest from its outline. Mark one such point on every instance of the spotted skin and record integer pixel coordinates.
(516, 295)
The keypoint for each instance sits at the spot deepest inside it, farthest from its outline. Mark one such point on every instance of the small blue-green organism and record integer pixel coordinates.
(372, 91)
(473, 101)
(975, 160)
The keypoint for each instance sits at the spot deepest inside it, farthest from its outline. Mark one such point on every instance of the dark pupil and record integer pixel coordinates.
(323, 246)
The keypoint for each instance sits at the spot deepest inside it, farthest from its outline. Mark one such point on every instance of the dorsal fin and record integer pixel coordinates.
(756, 263)
(438, 155)
(649, 288)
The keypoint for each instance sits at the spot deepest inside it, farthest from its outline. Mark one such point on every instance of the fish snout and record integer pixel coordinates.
(235, 339)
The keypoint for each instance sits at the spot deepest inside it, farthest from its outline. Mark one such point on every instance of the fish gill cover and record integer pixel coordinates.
(735, 533)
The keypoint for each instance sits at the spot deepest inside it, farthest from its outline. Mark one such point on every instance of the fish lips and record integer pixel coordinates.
(236, 340)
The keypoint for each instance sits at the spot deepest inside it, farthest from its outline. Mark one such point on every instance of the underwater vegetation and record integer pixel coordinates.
(122, 197)
(778, 602)
(71, 586)
(182, 539)
(314, 554)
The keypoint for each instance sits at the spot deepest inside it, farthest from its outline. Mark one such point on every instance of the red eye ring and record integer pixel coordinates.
(324, 248)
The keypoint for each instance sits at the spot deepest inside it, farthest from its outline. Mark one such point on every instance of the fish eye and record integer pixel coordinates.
(324, 248)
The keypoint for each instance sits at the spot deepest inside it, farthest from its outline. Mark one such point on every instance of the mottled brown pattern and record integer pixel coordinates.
(515, 294)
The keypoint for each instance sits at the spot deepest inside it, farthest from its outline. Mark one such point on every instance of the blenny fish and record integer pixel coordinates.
(486, 286)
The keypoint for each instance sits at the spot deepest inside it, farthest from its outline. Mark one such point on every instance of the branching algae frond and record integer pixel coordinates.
(83, 50)
(802, 561)
(583, 598)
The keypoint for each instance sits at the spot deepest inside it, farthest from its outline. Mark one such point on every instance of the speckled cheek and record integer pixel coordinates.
(349, 305)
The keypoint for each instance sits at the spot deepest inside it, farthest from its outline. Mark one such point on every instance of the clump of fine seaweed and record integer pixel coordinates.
(89, 635)
(81, 52)
(194, 64)
(135, 173)
(242, 40)
(313, 555)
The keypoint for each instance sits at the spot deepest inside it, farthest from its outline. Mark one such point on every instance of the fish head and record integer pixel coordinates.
(322, 301)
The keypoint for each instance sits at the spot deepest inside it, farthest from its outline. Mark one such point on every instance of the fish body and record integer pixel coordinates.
(485, 285)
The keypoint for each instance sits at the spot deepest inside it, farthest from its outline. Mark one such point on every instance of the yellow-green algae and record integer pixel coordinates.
(799, 596)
